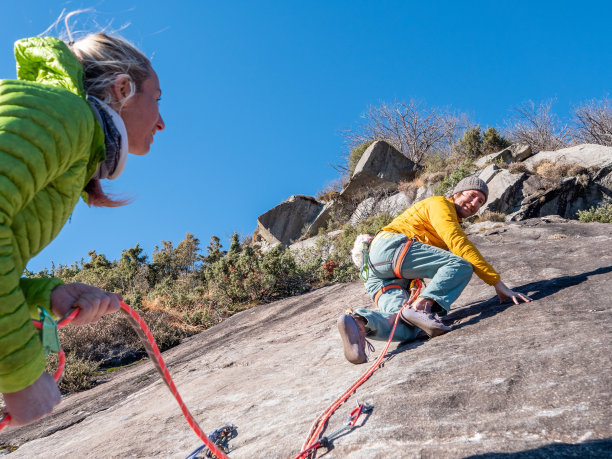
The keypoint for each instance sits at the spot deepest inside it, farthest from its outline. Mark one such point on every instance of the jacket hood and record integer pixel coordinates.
(48, 60)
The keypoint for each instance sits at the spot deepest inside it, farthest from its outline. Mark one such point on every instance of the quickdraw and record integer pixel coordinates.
(326, 442)
(319, 424)
(154, 354)
(220, 438)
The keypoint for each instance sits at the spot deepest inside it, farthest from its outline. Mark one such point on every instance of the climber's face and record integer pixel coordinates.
(468, 202)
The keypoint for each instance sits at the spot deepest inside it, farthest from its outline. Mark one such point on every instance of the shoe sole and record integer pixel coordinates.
(420, 320)
(349, 330)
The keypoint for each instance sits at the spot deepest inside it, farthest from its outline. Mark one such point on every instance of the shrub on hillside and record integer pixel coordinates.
(602, 214)
(79, 374)
(465, 169)
(492, 141)
(475, 143)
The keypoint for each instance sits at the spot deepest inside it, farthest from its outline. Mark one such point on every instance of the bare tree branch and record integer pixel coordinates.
(538, 127)
(593, 122)
(410, 127)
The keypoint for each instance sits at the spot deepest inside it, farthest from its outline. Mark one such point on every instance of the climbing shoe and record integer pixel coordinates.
(353, 338)
(429, 323)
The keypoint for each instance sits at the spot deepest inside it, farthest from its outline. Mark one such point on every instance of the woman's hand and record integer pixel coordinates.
(92, 301)
(503, 292)
(33, 402)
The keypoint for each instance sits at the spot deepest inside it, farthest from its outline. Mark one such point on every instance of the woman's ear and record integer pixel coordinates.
(122, 89)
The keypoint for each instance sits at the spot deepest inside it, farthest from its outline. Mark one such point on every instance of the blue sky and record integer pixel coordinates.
(257, 93)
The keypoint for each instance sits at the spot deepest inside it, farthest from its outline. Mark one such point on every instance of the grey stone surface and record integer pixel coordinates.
(504, 192)
(586, 155)
(285, 222)
(504, 156)
(531, 380)
(564, 200)
(393, 205)
(489, 172)
(425, 191)
(514, 153)
(380, 168)
(308, 249)
(520, 152)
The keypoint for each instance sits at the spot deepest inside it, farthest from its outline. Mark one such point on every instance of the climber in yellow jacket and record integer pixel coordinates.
(425, 241)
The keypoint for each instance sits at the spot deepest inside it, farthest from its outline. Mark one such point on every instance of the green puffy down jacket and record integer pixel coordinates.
(50, 145)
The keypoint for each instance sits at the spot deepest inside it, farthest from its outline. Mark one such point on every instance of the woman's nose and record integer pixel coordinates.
(160, 125)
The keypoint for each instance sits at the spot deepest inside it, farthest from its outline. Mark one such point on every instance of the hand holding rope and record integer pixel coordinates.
(154, 354)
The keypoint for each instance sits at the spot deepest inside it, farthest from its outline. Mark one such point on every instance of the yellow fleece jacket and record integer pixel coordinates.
(434, 221)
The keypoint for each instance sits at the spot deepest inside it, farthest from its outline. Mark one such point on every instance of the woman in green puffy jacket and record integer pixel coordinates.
(66, 123)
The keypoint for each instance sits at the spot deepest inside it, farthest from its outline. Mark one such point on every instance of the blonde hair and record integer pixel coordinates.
(104, 59)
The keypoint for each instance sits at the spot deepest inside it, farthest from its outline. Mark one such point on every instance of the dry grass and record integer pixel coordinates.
(517, 168)
(552, 171)
(79, 374)
(488, 216)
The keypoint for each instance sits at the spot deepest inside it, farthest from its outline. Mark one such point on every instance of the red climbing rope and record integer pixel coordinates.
(154, 354)
(321, 421)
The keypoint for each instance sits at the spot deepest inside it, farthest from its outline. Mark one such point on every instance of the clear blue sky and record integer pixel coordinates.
(256, 94)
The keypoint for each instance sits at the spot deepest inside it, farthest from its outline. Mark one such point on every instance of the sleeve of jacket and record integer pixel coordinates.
(443, 218)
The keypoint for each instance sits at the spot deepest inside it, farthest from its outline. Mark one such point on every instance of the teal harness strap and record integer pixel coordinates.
(48, 333)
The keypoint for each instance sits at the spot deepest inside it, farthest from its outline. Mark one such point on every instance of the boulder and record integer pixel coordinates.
(520, 152)
(586, 155)
(525, 381)
(504, 192)
(514, 153)
(501, 156)
(307, 250)
(339, 209)
(488, 172)
(392, 205)
(286, 222)
(564, 200)
(380, 168)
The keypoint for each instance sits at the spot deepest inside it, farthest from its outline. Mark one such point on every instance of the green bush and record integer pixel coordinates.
(492, 142)
(462, 171)
(602, 214)
(475, 143)
(470, 145)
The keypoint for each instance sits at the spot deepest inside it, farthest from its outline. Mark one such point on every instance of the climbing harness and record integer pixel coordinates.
(319, 424)
(219, 437)
(144, 333)
(326, 442)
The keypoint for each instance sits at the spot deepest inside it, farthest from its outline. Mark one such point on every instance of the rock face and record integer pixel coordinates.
(531, 379)
(504, 191)
(380, 168)
(285, 222)
(513, 153)
(587, 155)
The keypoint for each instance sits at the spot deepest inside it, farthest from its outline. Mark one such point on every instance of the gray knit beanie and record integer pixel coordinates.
(472, 183)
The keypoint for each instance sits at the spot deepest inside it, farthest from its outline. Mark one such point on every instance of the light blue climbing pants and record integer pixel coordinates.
(449, 275)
